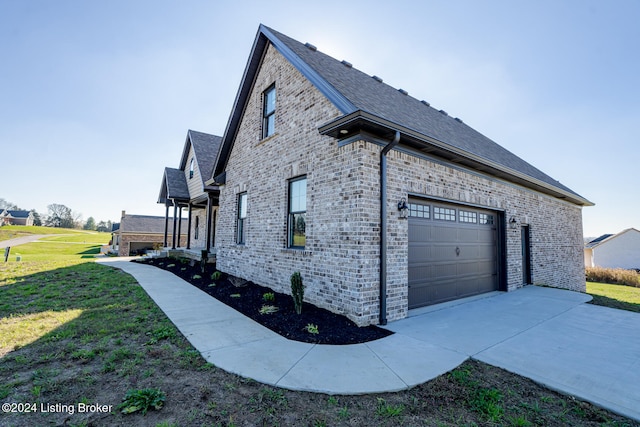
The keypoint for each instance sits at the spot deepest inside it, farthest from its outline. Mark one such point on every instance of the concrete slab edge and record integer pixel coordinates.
(565, 390)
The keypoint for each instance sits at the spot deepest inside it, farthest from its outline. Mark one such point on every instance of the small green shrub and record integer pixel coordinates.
(142, 400)
(235, 295)
(217, 275)
(269, 297)
(268, 309)
(196, 277)
(616, 276)
(312, 329)
(297, 291)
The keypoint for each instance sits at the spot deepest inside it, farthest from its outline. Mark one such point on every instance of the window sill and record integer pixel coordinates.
(297, 251)
(268, 138)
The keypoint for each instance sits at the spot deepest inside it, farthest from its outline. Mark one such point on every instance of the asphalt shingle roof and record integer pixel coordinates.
(146, 224)
(18, 214)
(356, 90)
(597, 240)
(206, 148)
(174, 186)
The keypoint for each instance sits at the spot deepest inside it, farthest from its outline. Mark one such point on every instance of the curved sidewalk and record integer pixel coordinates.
(238, 344)
(548, 335)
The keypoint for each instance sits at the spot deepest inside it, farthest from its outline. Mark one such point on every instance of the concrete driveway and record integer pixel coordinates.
(548, 335)
(22, 240)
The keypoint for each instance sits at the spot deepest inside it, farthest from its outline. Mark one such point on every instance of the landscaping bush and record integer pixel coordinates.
(617, 276)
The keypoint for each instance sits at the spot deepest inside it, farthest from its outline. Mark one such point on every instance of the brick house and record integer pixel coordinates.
(16, 217)
(382, 202)
(138, 233)
(185, 188)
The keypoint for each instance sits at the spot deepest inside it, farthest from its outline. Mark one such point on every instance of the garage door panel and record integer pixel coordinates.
(451, 259)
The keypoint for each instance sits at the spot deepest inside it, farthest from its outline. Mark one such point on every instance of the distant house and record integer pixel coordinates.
(621, 250)
(138, 233)
(14, 217)
(185, 188)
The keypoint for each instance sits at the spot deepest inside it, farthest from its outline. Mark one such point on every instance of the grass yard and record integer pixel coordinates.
(616, 296)
(75, 334)
(13, 231)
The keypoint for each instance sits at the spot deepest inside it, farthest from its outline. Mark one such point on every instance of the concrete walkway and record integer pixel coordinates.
(545, 334)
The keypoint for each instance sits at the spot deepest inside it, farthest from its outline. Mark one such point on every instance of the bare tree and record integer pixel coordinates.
(59, 216)
(8, 205)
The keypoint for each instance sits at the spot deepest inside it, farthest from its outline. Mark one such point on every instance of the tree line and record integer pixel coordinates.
(61, 216)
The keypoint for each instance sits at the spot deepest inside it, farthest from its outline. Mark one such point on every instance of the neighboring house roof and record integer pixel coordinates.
(174, 186)
(115, 226)
(608, 237)
(370, 105)
(205, 148)
(18, 214)
(597, 240)
(145, 224)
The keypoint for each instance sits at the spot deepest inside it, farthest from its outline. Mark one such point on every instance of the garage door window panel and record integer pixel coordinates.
(419, 211)
(444, 214)
(469, 217)
(486, 219)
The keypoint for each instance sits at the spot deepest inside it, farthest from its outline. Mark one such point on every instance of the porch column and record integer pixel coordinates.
(175, 218)
(179, 225)
(166, 224)
(209, 216)
(189, 228)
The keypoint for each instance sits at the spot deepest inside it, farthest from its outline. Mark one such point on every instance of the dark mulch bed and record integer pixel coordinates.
(248, 299)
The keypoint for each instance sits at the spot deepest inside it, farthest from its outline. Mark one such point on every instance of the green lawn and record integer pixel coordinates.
(74, 332)
(615, 296)
(12, 231)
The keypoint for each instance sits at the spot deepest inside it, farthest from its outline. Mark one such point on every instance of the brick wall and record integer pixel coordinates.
(340, 263)
(555, 225)
(201, 241)
(126, 239)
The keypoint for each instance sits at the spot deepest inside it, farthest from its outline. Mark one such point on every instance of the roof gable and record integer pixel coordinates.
(18, 214)
(362, 98)
(174, 186)
(605, 238)
(205, 149)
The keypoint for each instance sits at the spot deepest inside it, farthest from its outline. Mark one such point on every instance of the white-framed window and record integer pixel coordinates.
(269, 111)
(241, 231)
(297, 208)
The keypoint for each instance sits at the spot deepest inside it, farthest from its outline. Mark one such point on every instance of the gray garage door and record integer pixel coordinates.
(452, 252)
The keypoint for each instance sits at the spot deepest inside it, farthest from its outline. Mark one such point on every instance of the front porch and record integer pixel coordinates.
(194, 254)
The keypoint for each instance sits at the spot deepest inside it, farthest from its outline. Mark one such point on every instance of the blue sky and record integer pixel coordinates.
(96, 97)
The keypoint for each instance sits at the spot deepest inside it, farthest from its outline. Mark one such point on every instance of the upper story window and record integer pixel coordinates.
(297, 212)
(191, 167)
(241, 231)
(269, 111)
